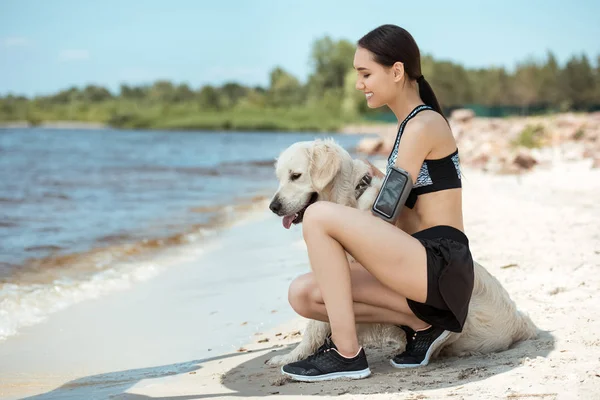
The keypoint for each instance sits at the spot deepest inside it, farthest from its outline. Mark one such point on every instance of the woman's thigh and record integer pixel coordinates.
(395, 259)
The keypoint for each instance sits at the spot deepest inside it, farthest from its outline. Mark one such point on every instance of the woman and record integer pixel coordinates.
(417, 273)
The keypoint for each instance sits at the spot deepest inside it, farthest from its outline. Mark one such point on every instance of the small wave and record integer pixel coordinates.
(259, 163)
(34, 199)
(224, 168)
(8, 224)
(27, 304)
(153, 169)
(43, 248)
(114, 238)
(60, 196)
(11, 200)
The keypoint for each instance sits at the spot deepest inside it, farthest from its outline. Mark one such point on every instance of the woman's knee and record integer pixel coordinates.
(316, 216)
(303, 294)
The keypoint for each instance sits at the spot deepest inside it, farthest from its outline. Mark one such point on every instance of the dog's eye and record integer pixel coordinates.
(295, 176)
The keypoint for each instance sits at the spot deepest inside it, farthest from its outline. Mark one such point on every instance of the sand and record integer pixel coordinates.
(538, 233)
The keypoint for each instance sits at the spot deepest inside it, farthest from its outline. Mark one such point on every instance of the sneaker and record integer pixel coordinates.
(327, 364)
(420, 346)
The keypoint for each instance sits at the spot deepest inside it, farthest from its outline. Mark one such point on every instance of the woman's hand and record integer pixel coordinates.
(373, 170)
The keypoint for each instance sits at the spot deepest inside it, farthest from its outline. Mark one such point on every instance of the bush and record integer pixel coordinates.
(531, 137)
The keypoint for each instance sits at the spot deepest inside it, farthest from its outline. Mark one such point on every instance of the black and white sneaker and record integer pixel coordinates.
(327, 364)
(420, 346)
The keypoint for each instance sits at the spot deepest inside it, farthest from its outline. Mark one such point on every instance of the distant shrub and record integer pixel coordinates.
(531, 137)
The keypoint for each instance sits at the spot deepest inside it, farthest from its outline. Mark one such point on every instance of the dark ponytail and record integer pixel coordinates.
(390, 44)
(427, 95)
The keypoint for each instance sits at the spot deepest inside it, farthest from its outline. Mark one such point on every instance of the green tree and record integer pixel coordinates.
(95, 94)
(161, 92)
(578, 82)
(550, 89)
(231, 93)
(527, 84)
(284, 89)
(330, 62)
(209, 98)
(133, 92)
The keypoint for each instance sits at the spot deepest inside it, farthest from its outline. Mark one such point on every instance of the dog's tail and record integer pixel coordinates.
(526, 329)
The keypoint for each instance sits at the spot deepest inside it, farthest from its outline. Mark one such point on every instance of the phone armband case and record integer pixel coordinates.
(395, 189)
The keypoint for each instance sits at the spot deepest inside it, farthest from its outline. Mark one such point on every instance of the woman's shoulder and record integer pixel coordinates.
(429, 125)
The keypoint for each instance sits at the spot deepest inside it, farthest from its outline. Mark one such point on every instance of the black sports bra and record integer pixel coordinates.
(435, 175)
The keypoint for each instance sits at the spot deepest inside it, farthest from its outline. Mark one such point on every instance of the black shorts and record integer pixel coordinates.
(450, 278)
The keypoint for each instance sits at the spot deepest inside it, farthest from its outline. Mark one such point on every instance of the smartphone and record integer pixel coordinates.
(395, 189)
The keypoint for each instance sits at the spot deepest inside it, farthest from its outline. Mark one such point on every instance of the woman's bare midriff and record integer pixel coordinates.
(432, 209)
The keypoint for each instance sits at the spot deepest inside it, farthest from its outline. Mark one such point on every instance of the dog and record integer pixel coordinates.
(322, 170)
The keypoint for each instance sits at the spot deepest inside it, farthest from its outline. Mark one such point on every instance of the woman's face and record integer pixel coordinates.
(374, 80)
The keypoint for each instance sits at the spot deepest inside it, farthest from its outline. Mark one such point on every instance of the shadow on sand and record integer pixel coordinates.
(254, 378)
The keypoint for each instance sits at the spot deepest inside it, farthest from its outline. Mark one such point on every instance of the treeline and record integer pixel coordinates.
(327, 100)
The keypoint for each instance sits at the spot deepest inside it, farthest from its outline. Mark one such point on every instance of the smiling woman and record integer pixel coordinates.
(426, 268)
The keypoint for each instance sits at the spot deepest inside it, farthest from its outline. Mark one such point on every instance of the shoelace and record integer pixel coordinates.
(325, 347)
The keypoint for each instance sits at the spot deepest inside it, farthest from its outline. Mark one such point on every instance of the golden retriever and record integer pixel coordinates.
(323, 170)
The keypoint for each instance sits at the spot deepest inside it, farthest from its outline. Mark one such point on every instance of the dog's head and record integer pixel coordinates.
(305, 170)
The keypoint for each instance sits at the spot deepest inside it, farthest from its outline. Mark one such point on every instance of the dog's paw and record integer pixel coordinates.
(281, 360)
(276, 361)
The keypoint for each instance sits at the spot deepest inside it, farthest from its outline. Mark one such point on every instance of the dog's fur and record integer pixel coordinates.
(493, 324)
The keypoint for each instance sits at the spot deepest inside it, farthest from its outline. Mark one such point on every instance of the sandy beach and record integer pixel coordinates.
(538, 233)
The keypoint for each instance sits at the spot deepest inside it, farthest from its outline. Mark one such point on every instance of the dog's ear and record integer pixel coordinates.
(325, 163)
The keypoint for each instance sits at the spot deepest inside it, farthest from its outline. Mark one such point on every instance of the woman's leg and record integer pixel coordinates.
(391, 256)
(372, 301)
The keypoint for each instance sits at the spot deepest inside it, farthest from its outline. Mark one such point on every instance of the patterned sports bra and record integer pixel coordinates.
(435, 175)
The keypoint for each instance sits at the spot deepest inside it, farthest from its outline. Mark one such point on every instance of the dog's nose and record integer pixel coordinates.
(275, 206)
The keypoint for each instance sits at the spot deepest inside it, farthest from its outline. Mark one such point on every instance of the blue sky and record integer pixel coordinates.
(46, 46)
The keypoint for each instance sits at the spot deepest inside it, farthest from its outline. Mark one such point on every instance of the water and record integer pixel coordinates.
(82, 210)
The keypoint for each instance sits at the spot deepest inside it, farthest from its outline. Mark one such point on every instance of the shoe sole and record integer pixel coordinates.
(434, 346)
(327, 377)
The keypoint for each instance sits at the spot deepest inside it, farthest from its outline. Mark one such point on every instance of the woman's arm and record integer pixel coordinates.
(417, 142)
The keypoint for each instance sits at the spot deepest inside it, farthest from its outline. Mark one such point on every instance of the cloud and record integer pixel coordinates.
(74, 55)
(16, 41)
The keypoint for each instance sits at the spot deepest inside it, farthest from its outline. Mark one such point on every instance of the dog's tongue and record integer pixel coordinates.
(287, 221)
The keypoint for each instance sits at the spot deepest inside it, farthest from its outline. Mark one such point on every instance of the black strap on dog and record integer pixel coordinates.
(364, 183)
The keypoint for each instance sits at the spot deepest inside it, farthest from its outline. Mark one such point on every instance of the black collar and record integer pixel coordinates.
(364, 183)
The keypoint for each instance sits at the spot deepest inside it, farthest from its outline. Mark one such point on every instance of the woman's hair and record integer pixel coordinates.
(390, 44)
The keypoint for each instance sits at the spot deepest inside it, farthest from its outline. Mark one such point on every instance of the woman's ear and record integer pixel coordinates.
(398, 71)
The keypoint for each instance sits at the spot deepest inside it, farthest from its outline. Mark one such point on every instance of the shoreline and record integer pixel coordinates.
(349, 129)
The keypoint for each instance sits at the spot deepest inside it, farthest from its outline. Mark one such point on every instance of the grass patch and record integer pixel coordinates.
(531, 136)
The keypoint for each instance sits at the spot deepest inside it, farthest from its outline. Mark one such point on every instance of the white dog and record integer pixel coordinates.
(322, 170)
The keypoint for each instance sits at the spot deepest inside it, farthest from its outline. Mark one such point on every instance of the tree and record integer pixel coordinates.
(161, 92)
(596, 96)
(231, 93)
(527, 83)
(284, 89)
(209, 98)
(578, 82)
(182, 93)
(330, 61)
(133, 92)
(550, 91)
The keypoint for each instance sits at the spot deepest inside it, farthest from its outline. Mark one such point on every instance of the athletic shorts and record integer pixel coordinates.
(450, 278)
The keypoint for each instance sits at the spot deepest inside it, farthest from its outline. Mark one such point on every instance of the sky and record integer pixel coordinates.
(51, 45)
